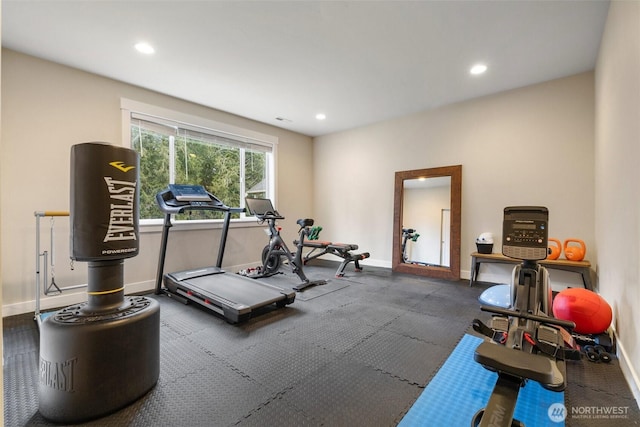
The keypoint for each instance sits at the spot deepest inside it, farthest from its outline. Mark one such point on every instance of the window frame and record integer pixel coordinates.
(130, 107)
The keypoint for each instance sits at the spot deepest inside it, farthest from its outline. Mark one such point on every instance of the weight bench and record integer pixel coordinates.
(342, 250)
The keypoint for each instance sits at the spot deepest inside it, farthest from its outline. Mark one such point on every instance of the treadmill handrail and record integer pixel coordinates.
(164, 198)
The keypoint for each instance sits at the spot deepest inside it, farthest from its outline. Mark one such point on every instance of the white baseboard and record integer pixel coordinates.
(367, 261)
(67, 298)
(628, 370)
(490, 278)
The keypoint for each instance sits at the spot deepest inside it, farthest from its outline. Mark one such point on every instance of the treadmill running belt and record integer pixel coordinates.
(231, 295)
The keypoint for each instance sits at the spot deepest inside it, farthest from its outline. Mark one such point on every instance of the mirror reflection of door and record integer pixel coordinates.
(426, 209)
(445, 236)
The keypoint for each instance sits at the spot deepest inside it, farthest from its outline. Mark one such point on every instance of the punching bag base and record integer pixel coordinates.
(92, 364)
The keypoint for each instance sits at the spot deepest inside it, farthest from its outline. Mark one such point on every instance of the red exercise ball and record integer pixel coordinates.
(588, 310)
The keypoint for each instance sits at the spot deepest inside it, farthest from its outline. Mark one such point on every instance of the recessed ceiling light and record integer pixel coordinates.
(321, 116)
(145, 48)
(478, 69)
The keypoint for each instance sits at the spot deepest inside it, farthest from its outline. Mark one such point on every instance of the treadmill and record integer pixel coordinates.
(233, 296)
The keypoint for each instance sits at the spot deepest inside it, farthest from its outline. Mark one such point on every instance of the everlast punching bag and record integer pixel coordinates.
(99, 356)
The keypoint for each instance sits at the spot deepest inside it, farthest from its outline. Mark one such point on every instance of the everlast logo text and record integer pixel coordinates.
(58, 375)
(121, 225)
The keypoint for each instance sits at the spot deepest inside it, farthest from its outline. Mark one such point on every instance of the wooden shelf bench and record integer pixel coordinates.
(581, 267)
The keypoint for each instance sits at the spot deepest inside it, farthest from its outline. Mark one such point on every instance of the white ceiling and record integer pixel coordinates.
(358, 62)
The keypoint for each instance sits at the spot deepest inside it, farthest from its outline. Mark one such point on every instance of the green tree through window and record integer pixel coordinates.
(174, 153)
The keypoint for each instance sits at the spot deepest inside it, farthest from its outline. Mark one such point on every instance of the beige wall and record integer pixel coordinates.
(617, 212)
(47, 108)
(532, 145)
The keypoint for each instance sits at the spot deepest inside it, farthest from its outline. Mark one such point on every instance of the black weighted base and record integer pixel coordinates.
(93, 363)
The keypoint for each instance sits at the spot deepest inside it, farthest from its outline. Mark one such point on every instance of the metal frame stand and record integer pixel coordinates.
(42, 284)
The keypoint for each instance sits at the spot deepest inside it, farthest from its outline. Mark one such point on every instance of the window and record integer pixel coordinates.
(228, 165)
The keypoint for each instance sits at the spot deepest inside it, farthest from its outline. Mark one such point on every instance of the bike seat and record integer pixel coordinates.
(518, 363)
(305, 222)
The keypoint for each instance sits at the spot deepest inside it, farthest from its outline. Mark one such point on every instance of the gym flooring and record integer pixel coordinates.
(357, 351)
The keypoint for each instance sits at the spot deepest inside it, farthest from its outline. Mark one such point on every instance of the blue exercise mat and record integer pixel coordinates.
(46, 314)
(462, 387)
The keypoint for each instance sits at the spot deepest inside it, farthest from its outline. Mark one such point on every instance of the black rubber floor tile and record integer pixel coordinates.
(373, 315)
(20, 388)
(22, 340)
(19, 322)
(353, 394)
(436, 304)
(403, 294)
(193, 319)
(605, 377)
(337, 335)
(407, 359)
(226, 339)
(213, 396)
(180, 357)
(281, 364)
(277, 412)
(432, 329)
(320, 290)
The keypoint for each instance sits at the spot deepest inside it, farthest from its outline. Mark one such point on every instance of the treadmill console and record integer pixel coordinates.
(189, 193)
(524, 232)
(178, 198)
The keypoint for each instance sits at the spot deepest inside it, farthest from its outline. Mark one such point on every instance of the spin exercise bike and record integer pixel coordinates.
(411, 234)
(408, 234)
(276, 249)
(524, 342)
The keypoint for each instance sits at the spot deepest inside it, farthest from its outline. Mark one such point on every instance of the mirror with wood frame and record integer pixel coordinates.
(426, 222)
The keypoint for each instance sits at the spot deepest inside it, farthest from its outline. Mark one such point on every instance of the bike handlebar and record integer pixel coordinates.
(268, 215)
